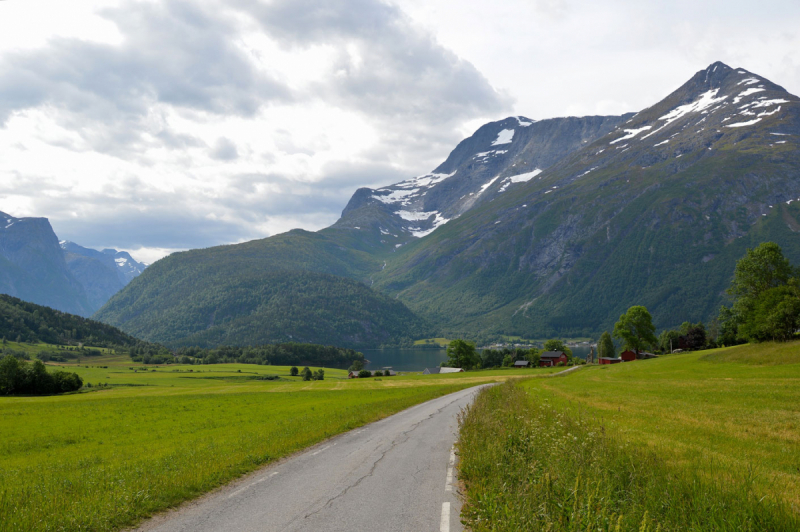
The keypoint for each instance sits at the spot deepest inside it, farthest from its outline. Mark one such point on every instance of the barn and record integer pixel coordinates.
(609, 360)
(627, 356)
(552, 358)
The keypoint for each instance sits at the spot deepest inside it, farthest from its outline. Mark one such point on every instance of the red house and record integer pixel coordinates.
(552, 358)
(608, 360)
(627, 356)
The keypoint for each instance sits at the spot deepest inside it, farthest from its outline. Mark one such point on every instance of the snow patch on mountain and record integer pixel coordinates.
(504, 137)
(631, 133)
(704, 101)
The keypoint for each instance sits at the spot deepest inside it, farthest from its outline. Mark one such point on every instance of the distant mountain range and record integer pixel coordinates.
(36, 267)
(531, 228)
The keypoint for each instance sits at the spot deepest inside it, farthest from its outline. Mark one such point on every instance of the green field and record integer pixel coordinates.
(700, 441)
(152, 437)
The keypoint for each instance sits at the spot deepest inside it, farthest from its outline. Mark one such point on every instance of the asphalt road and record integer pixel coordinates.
(392, 475)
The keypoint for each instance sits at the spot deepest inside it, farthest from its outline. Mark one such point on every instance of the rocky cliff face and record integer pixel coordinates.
(36, 267)
(32, 266)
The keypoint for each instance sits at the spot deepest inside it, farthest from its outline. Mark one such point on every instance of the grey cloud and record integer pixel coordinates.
(177, 53)
(224, 150)
(399, 77)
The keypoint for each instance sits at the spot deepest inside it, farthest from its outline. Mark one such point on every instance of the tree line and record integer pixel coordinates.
(20, 377)
(764, 305)
(287, 354)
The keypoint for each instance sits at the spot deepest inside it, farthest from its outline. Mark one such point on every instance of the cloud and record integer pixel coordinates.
(202, 123)
(173, 53)
(224, 150)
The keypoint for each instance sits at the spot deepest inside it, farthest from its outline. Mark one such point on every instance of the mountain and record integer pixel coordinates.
(656, 212)
(254, 292)
(518, 147)
(101, 273)
(528, 228)
(32, 266)
(36, 267)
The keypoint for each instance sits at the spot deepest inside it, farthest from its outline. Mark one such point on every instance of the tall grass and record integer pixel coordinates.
(526, 466)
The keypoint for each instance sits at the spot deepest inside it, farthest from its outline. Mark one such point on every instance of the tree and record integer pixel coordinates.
(533, 356)
(766, 297)
(669, 340)
(635, 328)
(759, 270)
(319, 375)
(507, 361)
(306, 374)
(357, 365)
(294, 371)
(605, 346)
(9, 374)
(462, 354)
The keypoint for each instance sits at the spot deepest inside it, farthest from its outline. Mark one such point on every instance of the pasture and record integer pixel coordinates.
(152, 437)
(699, 441)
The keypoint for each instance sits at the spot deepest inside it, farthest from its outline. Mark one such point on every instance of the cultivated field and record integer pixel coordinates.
(702, 441)
(152, 437)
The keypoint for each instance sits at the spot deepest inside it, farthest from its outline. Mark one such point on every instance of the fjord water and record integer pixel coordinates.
(404, 359)
(400, 359)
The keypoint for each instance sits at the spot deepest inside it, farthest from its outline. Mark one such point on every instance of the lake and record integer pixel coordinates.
(418, 359)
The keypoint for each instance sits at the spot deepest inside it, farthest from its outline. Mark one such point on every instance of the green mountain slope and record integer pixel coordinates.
(654, 213)
(244, 295)
(30, 322)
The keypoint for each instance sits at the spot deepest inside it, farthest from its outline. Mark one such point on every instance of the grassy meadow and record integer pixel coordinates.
(699, 441)
(152, 437)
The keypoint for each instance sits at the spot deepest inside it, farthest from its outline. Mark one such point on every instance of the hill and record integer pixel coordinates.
(258, 306)
(28, 322)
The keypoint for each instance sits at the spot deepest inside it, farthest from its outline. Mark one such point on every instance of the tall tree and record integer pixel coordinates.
(766, 296)
(462, 354)
(636, 329)
(605, 346)
(759, 270)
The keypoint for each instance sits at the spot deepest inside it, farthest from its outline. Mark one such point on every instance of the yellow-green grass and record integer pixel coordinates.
(156, 436)
(33, 349)
(717, 410)
(442, 342)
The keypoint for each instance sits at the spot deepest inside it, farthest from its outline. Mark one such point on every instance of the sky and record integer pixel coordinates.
(153, 126)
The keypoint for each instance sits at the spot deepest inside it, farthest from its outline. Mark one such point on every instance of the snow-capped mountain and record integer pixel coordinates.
(120, 262)
(497, 156)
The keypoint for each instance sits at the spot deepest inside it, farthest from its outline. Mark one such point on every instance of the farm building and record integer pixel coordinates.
(629, 355)
(436, 371)
(609, 360)
(552, 358)
(522, 364)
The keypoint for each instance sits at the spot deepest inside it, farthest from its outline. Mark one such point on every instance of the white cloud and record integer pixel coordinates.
(157, 125)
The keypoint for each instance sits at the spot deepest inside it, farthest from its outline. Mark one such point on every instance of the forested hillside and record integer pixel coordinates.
(27, 322)
(253, 306)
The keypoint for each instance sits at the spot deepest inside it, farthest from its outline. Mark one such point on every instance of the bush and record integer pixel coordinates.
(294, 371)
(306, 373)
(364, 373)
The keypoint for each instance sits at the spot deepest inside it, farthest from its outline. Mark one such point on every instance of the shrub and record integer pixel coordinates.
(364, 373)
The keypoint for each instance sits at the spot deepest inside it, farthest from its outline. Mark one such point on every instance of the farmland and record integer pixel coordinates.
(152, 437)
(700, 441)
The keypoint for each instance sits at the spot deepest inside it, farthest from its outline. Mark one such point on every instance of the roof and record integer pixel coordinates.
(430, 371)
(450, 370)
(608, 358)
(521, 363)
(552, 354)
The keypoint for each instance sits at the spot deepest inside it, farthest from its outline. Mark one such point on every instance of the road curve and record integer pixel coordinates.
(392, 475)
